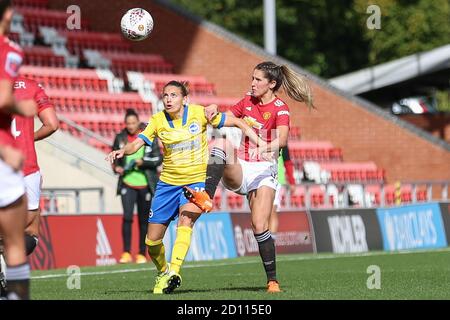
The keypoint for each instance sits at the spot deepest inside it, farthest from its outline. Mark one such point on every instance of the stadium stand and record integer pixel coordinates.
(93, 102)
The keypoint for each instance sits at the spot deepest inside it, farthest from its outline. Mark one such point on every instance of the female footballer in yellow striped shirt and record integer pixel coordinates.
(182, 131)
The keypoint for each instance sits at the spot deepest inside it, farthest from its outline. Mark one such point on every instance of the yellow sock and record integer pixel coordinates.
(157, 253)
(180, 247)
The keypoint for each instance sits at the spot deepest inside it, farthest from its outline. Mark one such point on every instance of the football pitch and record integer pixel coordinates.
(406, 275)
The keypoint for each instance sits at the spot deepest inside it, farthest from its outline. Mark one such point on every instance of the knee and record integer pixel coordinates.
(150, 242)
(127, 219)
(259, 226)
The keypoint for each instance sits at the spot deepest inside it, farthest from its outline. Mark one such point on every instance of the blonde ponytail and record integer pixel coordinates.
(296, 86)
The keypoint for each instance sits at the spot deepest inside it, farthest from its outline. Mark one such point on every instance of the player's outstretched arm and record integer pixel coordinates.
(280, 141)
(232, 121)
(129, 148)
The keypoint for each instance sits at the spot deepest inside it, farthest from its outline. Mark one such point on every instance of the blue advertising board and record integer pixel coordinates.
(212, 238)
(412, 227)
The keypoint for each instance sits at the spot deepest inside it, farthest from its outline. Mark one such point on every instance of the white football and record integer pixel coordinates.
(136, 24)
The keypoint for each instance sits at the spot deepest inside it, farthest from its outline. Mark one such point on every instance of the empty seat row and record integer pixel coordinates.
(393, 195)
(79, 40)
(197, 85)
(353, 171)
(224, 103)
(36, 17)
(314, 151)
(98, 103)
(42, 4)
(146, 63)
(65, 78)
(42, 56)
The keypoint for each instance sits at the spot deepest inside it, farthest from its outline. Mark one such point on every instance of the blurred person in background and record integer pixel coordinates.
(137, 183)
(13, 200)
(23, 132)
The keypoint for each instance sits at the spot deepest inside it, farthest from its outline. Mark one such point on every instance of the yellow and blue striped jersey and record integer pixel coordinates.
(185, 143)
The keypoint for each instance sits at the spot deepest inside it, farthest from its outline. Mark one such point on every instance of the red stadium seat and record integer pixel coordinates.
(314, 151)
(223, 103)
(217, 201)
(36, 17)
(101, 41)
(65, 78)
(298, 197)
(353, 171)
(43, 56)
(147, 63)
(197, 84)
(39, 4)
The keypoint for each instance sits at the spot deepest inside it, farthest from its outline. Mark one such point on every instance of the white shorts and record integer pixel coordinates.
(277, 200)
(12, 185)
(255, 175)
(33, 184)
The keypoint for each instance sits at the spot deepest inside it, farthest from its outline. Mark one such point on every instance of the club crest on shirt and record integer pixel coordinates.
(266, 115)
(194, 128)
(12, 64)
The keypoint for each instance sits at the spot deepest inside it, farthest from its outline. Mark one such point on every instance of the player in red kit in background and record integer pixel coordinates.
(13, 201)
(249, 172)
(23, 131)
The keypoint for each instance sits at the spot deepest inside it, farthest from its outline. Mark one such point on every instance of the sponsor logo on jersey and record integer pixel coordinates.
(248, 108)
(266, 115)
(278, 103)
(20, 85)
(252, 122)
(283, 112)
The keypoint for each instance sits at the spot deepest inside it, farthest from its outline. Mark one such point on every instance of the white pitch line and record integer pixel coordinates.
(297, 258)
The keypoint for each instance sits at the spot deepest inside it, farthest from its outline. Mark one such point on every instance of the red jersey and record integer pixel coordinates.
(11, 57)
(262, 118)
(23, 127)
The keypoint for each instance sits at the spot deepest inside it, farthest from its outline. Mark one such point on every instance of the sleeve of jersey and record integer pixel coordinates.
(10, 62)
(218, 120)
(149, 132)
(283, 116)
(237, 108)
(42, 100)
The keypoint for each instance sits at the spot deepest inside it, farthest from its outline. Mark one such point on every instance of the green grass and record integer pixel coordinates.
(409, 275)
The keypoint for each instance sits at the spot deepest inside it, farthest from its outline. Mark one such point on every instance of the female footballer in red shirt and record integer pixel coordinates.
(247, 172)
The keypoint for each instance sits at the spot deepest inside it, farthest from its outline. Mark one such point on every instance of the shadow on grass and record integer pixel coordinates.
(216, 290)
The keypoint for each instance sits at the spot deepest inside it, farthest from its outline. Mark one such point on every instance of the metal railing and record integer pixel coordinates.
(315, 196)
(86, 132)
(351, 195)
(53, 195)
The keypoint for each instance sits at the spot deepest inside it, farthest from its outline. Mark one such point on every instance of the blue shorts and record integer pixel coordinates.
(168, 200)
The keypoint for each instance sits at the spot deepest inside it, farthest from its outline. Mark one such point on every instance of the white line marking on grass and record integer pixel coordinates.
(250, 261)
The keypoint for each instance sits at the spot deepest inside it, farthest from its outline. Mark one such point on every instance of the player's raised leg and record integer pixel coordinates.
(223, 163)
